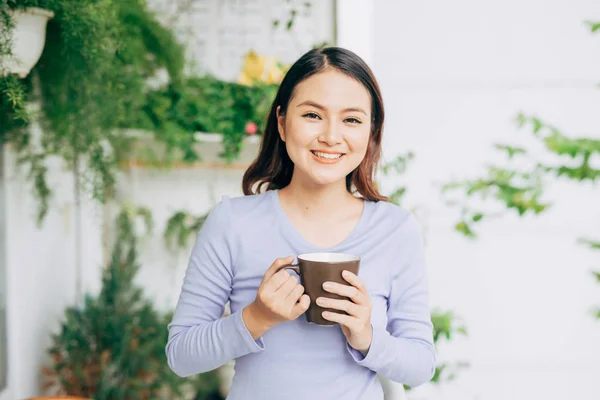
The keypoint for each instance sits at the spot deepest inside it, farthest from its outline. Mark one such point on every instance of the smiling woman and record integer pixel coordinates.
(317, 162)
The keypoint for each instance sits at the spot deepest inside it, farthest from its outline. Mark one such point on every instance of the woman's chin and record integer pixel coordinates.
(326, 179)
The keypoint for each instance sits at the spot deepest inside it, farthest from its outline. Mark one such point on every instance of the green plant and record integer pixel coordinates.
(397, 167)
(180, 227)
(92, 74)
(522, 191)
(177, 111)
(516, 190)
(446, 325)
(112, 346)
(294, 11)
(520, 188)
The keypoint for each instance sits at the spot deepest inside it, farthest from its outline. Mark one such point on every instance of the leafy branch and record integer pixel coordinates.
(128, 221)
(515, 190)
(293, 13)
(593, 245)
(396, 167)
(581, 149)
(180, 227)
(446, 324)
(523, 191)
(573, 160)
(446, 327)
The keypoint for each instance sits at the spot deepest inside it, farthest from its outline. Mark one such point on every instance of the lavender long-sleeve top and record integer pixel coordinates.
(296, 360)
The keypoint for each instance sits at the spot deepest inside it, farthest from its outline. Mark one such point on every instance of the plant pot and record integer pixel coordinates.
(209, 147)
(28, 38)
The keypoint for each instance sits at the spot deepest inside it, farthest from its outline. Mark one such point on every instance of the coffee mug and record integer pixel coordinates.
(317, 268)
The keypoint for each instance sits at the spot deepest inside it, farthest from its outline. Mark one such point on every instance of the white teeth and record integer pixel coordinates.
(327, 155)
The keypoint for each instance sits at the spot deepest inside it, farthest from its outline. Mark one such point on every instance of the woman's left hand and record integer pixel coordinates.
(356, 326)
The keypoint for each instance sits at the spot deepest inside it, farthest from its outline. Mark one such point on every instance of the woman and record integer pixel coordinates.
(317, 161)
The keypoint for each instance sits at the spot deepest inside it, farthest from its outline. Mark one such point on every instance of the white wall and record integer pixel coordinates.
(454, 75)
(41, 269)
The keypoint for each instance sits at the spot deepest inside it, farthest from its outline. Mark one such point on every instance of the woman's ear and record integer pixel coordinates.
(280, 123)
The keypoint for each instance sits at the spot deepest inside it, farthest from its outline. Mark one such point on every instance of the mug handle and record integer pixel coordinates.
(293, 267)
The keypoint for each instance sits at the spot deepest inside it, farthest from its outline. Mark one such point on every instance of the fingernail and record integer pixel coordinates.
(320, 301)
(327, 285)
(345, 273)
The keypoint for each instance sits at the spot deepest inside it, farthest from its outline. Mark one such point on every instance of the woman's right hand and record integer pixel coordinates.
(280, 298)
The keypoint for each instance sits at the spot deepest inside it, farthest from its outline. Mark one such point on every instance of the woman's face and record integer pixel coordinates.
(326, 127)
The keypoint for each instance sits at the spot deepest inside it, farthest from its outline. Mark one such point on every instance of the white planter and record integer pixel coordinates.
(28, 39)
(208, 147)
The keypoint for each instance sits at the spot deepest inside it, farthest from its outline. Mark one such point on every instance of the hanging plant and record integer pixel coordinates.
(93, 71)
(27, 39)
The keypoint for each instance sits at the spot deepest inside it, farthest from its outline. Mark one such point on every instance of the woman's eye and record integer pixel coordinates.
(353, 121)
(311, 116)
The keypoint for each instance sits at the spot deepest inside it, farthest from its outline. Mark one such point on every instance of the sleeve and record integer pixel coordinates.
(404, 352)
(200, 340)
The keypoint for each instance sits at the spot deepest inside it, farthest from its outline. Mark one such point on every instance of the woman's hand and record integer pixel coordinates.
(356, 326)
(280, 298)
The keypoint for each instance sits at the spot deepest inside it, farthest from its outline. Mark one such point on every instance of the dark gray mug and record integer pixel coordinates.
(317, 268)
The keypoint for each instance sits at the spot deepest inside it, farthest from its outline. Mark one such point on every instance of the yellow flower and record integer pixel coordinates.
(257, 68)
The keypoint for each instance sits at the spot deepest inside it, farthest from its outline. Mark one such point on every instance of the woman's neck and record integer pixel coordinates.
(318, 202)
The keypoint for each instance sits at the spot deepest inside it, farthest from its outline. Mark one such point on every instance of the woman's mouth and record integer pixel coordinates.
(326, 158)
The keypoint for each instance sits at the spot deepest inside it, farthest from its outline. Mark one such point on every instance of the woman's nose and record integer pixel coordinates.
(332, 135)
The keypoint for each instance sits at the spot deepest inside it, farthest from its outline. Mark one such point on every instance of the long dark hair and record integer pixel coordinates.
(273, 167)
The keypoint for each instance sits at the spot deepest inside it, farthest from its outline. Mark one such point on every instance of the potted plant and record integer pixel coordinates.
(111, 347)
(218, 116)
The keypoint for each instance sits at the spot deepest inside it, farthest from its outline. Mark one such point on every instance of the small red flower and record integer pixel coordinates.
(251, 128)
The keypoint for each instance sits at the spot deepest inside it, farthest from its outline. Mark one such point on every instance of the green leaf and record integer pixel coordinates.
(573, 147)
(477, 217)
(594, 26)
(521, 120)
(463, 228)
(452, 186)
(537, 124)
(397, 195)
(512, 151)
(592, 244)
(398, 165)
